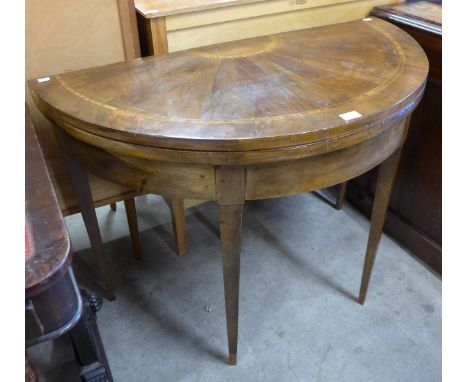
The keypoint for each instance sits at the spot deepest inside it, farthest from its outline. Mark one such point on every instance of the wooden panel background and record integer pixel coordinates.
(67, 35)
(237, 22)
(219, 15)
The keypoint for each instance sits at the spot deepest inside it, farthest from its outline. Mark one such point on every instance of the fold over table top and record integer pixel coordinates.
(270, 92)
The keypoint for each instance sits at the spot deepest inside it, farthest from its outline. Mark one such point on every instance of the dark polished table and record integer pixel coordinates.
(415, 209)
(54, 306)
(252, 119)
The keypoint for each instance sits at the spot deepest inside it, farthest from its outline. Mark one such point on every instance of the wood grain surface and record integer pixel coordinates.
(263, 93)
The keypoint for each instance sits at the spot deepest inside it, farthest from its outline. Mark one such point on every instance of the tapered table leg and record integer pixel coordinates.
(230, 218)
(132, 219)
(84, 197)
(230, 191)
(386, 176)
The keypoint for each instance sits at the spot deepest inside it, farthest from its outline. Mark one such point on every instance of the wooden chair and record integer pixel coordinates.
(102, 193)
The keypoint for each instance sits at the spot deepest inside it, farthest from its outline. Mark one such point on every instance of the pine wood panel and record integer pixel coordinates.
(243, 11)
(157, 8)
(268, 24)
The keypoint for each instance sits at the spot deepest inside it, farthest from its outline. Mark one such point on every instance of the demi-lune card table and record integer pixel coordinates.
(252, 119)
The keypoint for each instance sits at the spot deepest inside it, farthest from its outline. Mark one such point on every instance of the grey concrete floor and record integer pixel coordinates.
(299, 319)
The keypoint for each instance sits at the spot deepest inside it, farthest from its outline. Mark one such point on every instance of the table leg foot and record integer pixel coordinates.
(387, 172)
(230, 218)
(233, 359)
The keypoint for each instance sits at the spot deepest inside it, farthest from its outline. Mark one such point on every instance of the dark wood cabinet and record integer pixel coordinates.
(415, 213)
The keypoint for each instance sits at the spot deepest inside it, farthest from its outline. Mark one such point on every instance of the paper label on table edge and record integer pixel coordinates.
(350, 115)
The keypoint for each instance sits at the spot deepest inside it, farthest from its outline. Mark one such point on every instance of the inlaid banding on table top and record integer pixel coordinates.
(275, 86)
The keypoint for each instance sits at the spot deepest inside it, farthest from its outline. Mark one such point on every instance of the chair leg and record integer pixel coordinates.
(178, 226)
(387, 172)
(113, 206)
(130, 210)
(341, 196)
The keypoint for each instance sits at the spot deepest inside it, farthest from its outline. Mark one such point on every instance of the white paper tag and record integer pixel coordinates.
(43, 79)
(367, 19)
(350, 115)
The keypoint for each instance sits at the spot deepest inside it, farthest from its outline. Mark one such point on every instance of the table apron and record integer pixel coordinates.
(268, 180)
(316, 172)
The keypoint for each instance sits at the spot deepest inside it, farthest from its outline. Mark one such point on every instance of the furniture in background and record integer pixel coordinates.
(415, 212)
(54, 305)
(171, 26)
(313, 108)
(71, 35)
(340, 196)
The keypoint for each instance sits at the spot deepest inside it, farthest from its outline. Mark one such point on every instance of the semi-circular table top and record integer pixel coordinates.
(289, 89)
